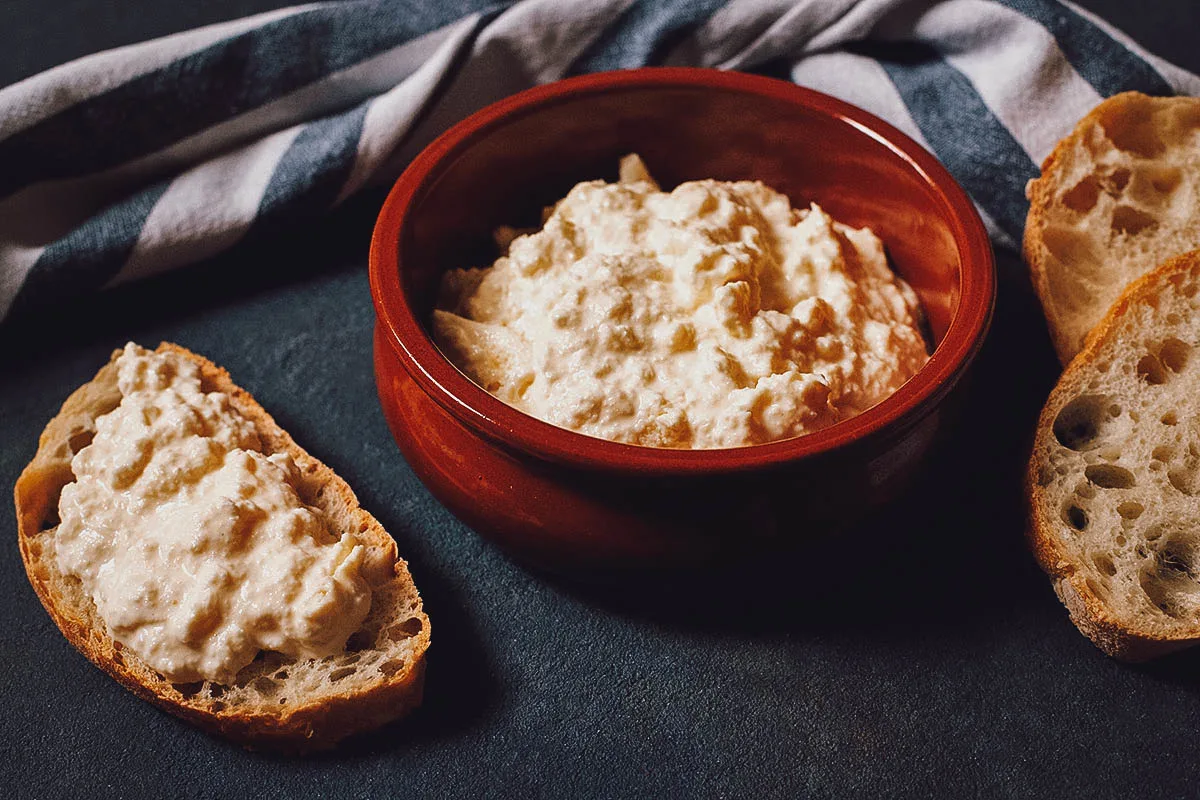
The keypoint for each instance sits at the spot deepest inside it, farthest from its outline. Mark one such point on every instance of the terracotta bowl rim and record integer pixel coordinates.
(473, 406)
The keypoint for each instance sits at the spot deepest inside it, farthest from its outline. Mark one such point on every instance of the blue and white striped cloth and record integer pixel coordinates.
(145, 158)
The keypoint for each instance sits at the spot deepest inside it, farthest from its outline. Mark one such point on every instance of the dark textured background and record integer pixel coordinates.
(933, 658)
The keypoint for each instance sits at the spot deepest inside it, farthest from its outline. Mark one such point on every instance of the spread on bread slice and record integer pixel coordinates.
(1114, 480)
(1116, 197)
(185, 544)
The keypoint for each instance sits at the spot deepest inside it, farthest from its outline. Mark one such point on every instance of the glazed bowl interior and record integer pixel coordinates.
(504, 165)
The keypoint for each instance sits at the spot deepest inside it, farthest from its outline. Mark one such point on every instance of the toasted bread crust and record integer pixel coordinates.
(1044, 194)
(304, 725)
(1090, 613)
(1040, 193)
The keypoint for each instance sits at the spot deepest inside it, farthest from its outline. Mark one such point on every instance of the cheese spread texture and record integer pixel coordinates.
(715, 315)
(193, 544)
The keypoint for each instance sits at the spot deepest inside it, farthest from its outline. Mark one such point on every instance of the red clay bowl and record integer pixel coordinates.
(567, 500)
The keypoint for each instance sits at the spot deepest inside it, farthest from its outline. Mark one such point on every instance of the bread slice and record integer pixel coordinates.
(276, 702)
(1118, 196)
(1114, 479)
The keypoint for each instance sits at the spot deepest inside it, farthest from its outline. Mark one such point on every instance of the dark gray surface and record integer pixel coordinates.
(937, 661)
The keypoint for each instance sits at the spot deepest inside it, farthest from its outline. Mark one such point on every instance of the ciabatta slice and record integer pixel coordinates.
(1114, 480)
(1116, 197)
(276, 702)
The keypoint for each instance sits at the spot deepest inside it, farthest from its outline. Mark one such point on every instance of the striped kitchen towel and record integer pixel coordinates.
(145, 158)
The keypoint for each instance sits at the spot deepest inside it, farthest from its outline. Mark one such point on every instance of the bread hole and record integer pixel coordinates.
(1183, 473)
(1184, 477)
(1170, 418)
(1082, 196)
(352, 658)
(1077, 425)
(1085, 490)
(281, 675)
(1075, 516)
(51, 518)
(1151, 370)
(1174, 319)
(1131, 221)
(1171, 566)
(265, 686)
(1130, 509)
(216, 707)
(1156, 593)
(338, 674)
(1165, 180)
(1105, 564)
(391, 666)
(1114, 410)
(1116, 181)
(1120, 540)
(1177, 557)
(1109, 476)
(215, 690)
(188, 690)
(1173, 353)
(359, 640)
(1110, 453)
(1130, 127)
(1162, 452)
(1069, 246)
(283, 701)
(1096, 588)
(80, 439)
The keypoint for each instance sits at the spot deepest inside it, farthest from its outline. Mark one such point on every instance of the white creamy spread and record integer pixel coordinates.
(715, 315)
(193, 544)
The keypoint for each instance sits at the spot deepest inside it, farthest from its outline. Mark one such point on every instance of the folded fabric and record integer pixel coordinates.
(145, 158)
